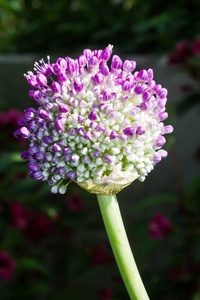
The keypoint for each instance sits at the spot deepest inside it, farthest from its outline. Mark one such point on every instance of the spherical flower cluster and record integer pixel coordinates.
(99, 126)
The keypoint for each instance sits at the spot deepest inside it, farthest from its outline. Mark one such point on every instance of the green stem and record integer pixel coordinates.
(118, 239)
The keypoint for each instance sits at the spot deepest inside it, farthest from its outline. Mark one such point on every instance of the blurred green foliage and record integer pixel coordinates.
(131, 25)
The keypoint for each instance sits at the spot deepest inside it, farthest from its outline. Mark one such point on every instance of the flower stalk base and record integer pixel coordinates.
(118, 239)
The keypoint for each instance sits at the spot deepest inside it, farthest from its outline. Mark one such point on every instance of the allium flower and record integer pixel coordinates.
(159, 226)
(98, 126)
(101, 127)
(7, 265)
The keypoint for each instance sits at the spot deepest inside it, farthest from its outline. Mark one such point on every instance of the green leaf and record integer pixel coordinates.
(31, 264)
(76, 265)
(11, 238)
(25, 186)
(33, 291)
(196, 296)
(194, 187)
(75, 219)
(93, 272)
(10, 6)
(154, 200)
(7, 159)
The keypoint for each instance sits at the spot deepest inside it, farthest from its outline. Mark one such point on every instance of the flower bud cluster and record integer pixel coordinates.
(93, 122)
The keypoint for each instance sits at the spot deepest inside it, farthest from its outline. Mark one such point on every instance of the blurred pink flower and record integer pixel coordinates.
(14, 115)
(9, 119)
(7, 265)
(20, 216)
(75, 203)
(159, 226)
(181, 54)
(40, 226)
(196, 47)
(100, 256)
(106, 294)
(183, 48)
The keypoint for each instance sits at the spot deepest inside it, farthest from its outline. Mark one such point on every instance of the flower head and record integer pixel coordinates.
(98, 126)
(7, 265)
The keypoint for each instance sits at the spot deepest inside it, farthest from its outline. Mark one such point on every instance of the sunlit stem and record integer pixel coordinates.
(118, 239)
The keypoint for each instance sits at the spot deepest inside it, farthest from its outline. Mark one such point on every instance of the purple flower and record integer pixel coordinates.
(108, 158)
(93, 115)
(129, 131)
(111, 119)
(7, 265)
